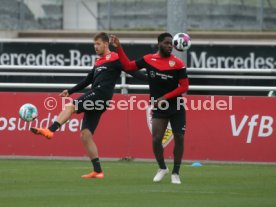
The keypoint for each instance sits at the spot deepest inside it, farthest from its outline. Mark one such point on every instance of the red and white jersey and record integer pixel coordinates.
(163, 73)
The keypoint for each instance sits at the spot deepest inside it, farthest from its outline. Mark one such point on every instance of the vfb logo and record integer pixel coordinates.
(263, 122)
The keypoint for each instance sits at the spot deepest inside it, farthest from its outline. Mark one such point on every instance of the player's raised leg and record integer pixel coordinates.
(64, 116)
(158, 129)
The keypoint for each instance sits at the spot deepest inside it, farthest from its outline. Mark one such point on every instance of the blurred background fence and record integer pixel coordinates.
(236, 15)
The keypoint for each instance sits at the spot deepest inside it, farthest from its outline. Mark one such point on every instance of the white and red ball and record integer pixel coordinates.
(181, 42)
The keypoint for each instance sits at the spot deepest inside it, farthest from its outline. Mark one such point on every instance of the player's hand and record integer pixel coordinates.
(114, 41)
(64, 93)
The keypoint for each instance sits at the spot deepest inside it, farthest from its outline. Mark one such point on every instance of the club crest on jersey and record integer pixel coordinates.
(107, 57)
(171, 63)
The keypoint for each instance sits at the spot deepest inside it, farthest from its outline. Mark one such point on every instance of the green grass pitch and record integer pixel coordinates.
(57, 183)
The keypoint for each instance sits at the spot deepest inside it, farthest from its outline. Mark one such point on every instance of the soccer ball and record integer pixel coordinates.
(181, 42)
(28, 112)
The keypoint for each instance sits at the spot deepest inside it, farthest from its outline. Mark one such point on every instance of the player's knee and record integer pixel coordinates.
(157, 139)
(85, 135)
(179, 138)
(70, 107)
(156, 135)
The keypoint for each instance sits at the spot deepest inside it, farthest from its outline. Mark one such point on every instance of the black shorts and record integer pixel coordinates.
(90, 101)
(177, 119)
(93, 105)
(91, 120)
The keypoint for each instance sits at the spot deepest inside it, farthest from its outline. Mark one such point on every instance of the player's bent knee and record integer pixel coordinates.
(70, 107)
(179, 138)
(85, 135)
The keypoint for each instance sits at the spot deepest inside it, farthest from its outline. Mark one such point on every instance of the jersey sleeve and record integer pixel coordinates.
(85, 82)
(183, 85)
(139, 75)
(182, 88)
(126, 63)
(141, 63)
(182, 73)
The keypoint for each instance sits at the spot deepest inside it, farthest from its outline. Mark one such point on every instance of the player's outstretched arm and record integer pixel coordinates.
(126, 63)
